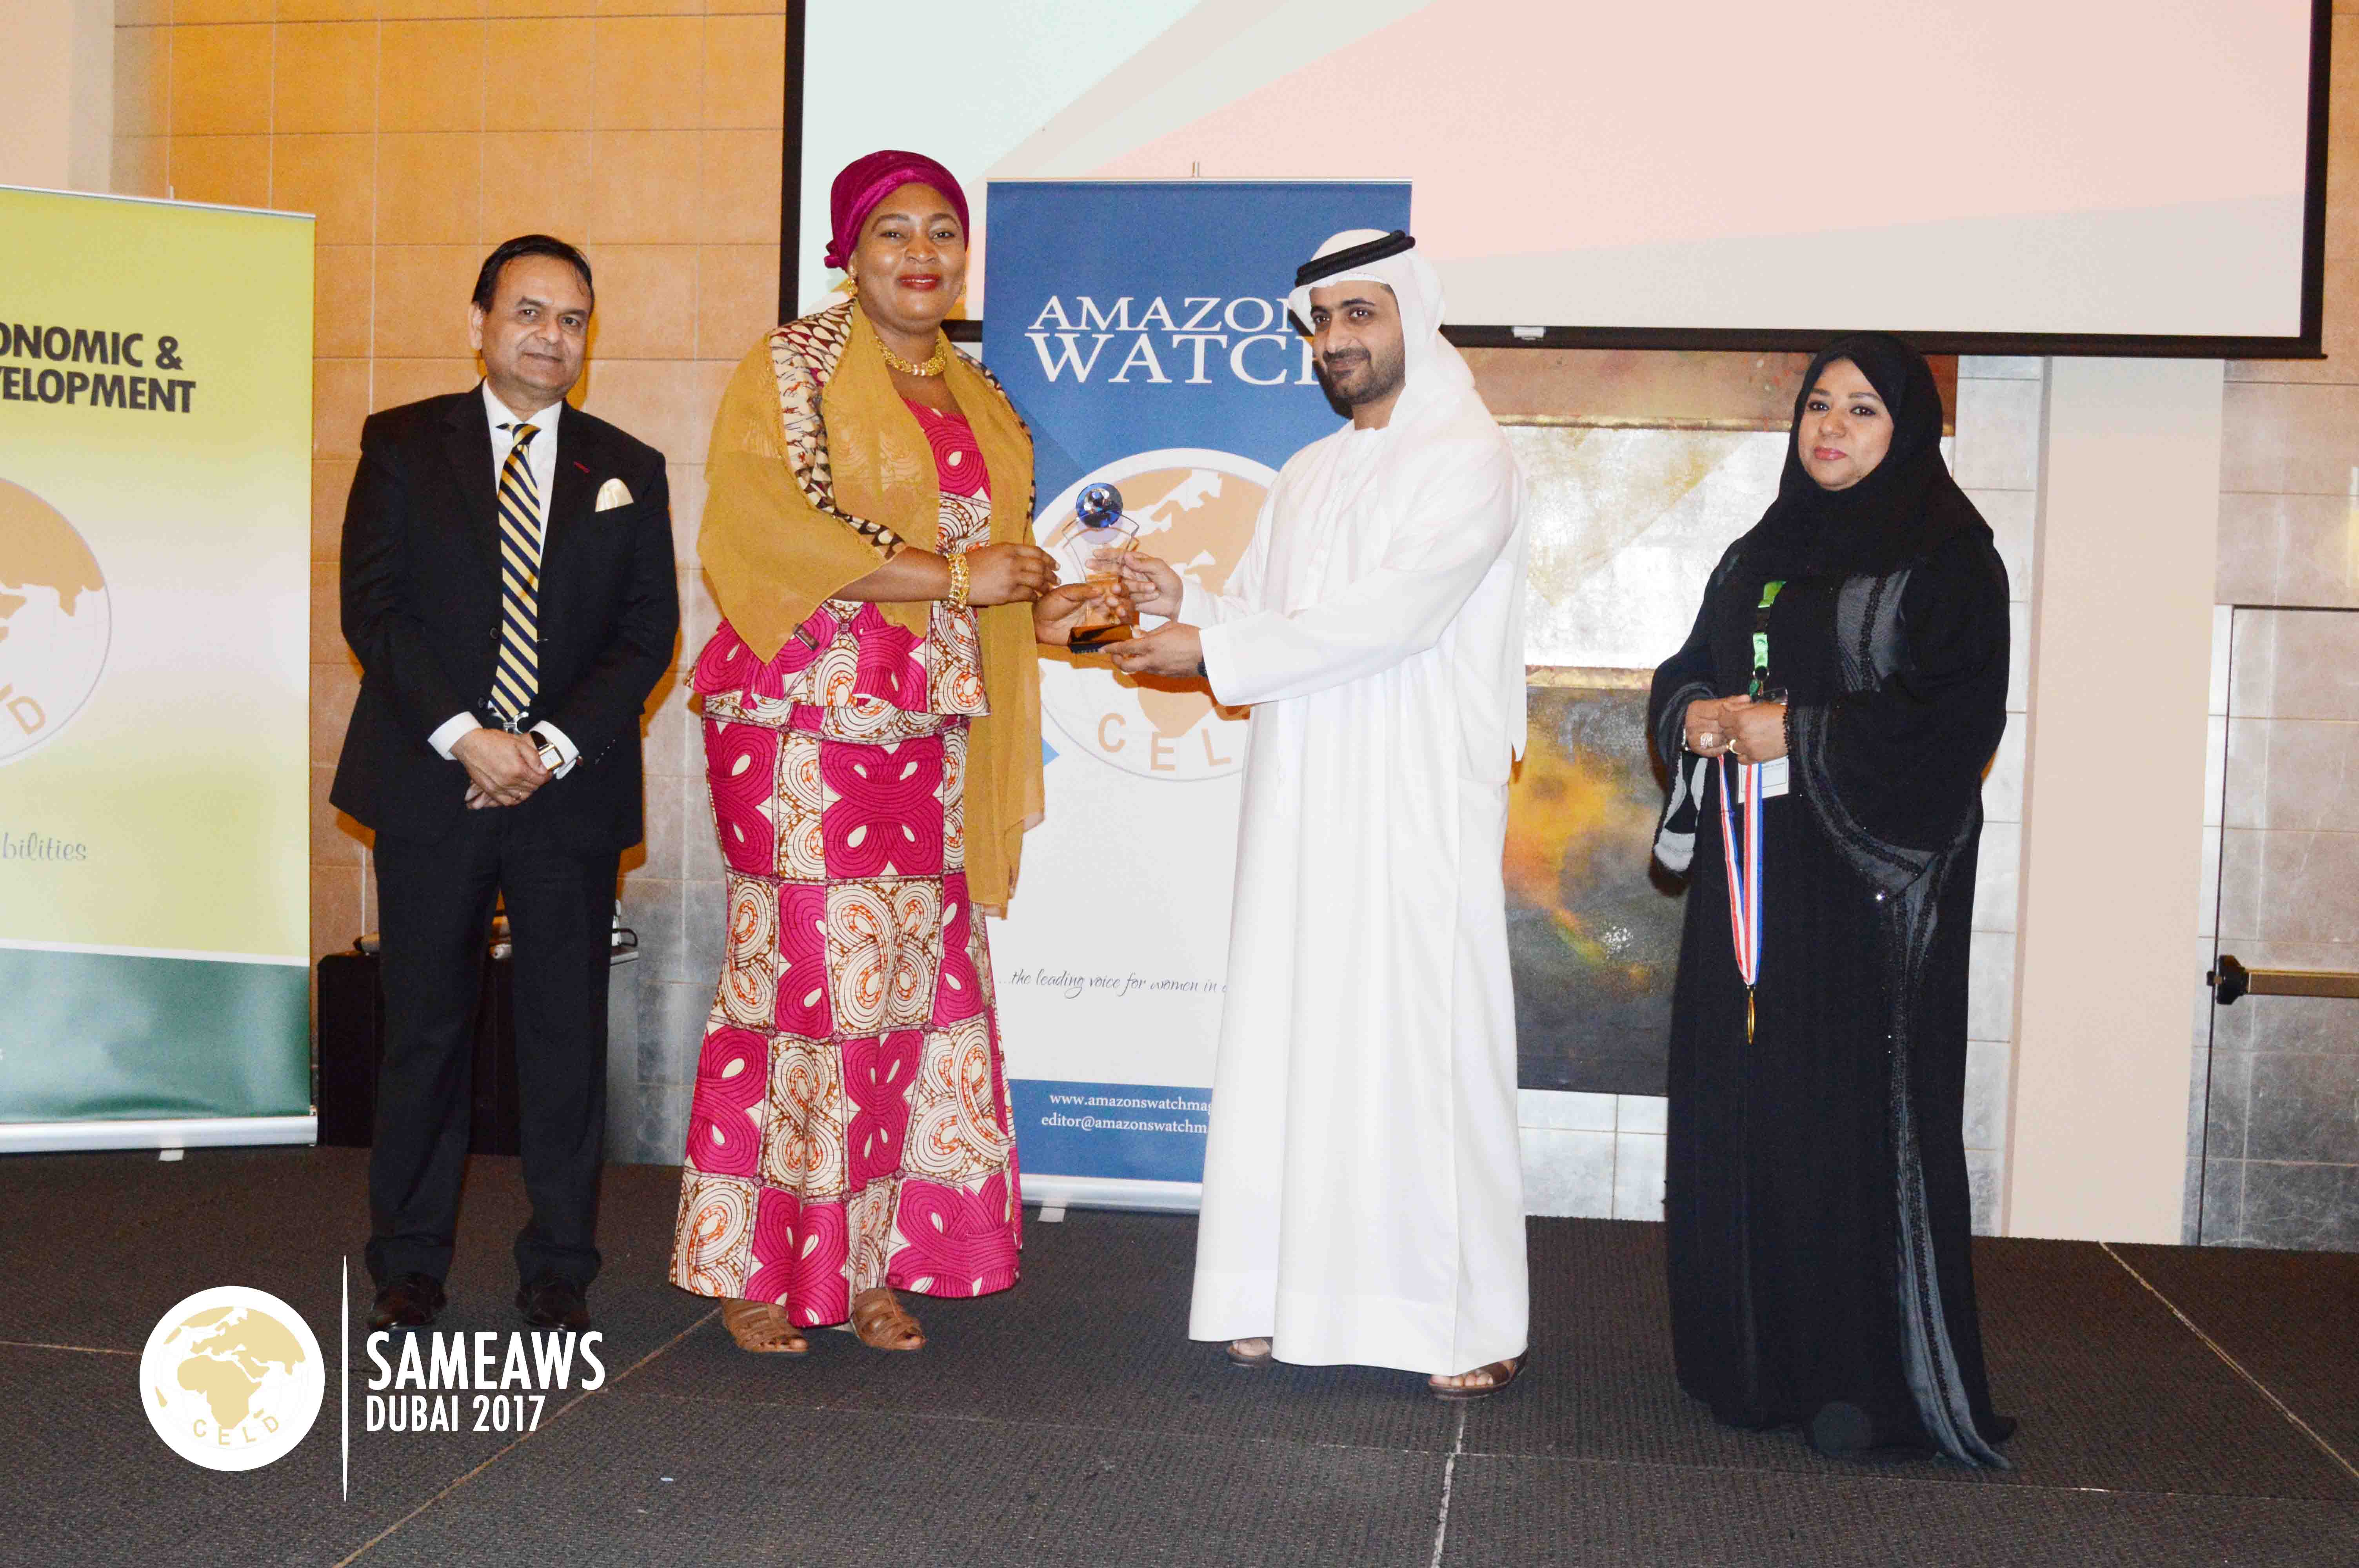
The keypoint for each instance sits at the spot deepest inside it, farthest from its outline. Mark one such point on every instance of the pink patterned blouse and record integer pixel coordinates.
(874, 681)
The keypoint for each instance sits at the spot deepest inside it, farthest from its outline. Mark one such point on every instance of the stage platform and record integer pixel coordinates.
(2178, 1406)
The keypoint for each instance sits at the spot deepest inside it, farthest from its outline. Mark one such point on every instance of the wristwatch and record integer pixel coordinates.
(550, 757)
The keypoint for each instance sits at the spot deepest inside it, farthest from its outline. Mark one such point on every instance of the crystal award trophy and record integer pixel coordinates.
(1099, 527)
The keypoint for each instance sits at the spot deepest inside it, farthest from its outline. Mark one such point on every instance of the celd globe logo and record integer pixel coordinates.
(54, 621)
(232, 1379)
(1195, 508)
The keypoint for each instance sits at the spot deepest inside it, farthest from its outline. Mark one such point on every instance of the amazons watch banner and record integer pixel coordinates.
(154, 547)
(1141, 328)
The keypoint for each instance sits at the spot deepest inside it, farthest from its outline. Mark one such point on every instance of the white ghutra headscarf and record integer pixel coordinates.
(1438, 381)
(1438, 400)
(1379, 547)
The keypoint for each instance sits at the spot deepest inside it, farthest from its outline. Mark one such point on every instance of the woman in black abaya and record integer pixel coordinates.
(1817, 1200)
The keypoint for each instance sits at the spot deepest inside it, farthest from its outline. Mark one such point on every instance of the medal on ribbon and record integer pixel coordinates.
(1744, 871)
(1744, 878)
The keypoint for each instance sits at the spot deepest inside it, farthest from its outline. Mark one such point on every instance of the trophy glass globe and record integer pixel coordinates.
(1100, 532)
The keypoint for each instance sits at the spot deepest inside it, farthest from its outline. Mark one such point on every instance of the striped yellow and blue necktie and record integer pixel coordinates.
(515, 680)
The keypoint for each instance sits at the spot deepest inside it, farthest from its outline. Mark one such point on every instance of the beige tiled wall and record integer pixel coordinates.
(423, 132)
(2289, 461)
(2273, 1144)
(1997, 458)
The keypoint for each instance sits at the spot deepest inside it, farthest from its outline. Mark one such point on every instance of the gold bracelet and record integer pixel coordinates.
(961, 575)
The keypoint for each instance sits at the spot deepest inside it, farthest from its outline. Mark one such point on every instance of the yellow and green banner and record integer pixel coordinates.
(154, 596)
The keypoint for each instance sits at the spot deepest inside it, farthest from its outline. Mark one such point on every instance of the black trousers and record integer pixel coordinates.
(434, 910)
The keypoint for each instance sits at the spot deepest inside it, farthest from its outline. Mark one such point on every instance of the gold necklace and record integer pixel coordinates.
(934, 366)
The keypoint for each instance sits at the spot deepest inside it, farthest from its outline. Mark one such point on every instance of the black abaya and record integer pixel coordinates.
(1816, 1204)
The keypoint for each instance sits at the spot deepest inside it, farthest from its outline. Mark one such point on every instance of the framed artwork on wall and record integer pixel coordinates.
(1593, 921)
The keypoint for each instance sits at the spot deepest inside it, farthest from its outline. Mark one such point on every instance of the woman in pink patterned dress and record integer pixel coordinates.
(871, 739)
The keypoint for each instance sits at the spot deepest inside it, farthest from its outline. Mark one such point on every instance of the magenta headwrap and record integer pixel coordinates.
(866, 181)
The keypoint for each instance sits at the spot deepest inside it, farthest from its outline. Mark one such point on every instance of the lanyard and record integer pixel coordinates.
(1761, 682)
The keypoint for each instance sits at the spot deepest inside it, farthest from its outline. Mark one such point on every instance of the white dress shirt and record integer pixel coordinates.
(540, 457)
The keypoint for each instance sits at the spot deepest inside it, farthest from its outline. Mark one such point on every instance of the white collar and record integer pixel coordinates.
(501, 414)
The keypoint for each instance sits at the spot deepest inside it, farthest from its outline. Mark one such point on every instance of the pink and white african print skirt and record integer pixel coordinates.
(850, 1127)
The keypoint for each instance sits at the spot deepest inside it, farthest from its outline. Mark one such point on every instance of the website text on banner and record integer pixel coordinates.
(155, 601)
(1141, 328)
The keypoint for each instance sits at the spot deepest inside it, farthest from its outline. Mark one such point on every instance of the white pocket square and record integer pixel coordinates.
(614, 493)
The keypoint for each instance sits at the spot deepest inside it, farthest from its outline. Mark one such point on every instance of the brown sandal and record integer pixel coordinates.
(883, 1324)
(1502, 1374)
(1255, 1360)
(763, 1328)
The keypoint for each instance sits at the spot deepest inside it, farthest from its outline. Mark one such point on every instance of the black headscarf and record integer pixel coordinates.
(1906, 506)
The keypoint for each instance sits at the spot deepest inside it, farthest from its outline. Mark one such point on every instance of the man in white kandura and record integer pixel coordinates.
(1363, 1197)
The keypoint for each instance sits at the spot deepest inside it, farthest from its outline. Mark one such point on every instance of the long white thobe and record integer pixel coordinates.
(1363, 1190)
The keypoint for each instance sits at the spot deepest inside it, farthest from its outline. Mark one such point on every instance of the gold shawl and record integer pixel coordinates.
(819, 474)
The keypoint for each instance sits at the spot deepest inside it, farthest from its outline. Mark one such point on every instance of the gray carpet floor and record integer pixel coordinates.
(2178, 1407)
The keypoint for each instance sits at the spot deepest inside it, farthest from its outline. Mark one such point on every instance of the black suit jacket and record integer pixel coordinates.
(421, 610)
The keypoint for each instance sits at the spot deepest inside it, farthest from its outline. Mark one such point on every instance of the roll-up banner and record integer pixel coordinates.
(155, 609)
(1141, 328)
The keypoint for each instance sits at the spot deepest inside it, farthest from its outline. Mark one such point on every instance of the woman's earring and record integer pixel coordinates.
(852, 286)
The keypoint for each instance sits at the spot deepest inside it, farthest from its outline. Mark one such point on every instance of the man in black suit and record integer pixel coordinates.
(508, 589)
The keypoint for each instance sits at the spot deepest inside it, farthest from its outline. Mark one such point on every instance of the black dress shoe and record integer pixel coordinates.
(551, 1302)
(406, 1301)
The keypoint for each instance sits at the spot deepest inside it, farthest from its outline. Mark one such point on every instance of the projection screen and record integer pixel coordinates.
(2110, 176)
